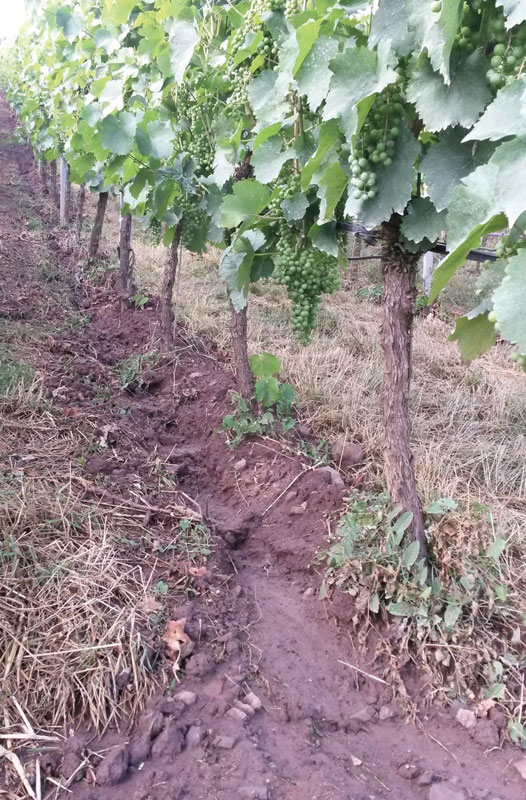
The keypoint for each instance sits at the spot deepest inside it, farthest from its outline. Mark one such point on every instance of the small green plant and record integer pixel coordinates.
(34, 225)
(139, 299)
(13, 374)
(456, 614)
(373, 293)
(270, 408)
(317, 452)
(131, 368)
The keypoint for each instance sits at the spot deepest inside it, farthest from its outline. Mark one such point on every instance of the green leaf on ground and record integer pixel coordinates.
(264, 365)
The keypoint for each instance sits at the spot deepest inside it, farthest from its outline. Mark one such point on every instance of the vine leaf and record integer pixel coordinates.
(314, 76)
(331, 187)
(460, 103)
(358, 73)
(324, 238)
(329, 136)
(268, 159)
(120, 9)
(111, 96)
(391, 23)
(394, 185)
(117, 132)
(248, 199)
(306, 36)
(505, 116)
(508, 302)
(183, 38)
(474, 333)
(295, 207)
(236, 265)
(422, 221)
(515, 11)
(446, 163)
(267, 94)
(435, 32)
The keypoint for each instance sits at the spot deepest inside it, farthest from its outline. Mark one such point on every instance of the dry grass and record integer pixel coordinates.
(469, 422)
(72, 613)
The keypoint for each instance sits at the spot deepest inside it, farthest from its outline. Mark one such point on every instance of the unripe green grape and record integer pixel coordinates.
(492, 317)
(436, 7)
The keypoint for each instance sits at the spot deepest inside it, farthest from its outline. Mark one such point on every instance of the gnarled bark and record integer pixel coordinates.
(399, 271)
(238, 329)
(125, 279)
(80, 210)
(97, 226)
(170, 270)
(53, 182)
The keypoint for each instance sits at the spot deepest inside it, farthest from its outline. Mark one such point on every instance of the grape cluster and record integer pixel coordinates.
(239, 80)
(307, 274)
(269, 47)
(290, 7)
(508, 59)
(155, 230)
(509, 247)
(199, 140)
(376, 143)
(287, 187)
(194, 219)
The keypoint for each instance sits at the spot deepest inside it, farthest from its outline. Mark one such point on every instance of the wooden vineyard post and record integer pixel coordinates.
(169, 273)
(65, 192)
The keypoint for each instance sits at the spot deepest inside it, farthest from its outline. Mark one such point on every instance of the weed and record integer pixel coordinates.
(13, 374)
(130, 368)
(456, 614)
(273, 400)
(317, 452)
(139, 299)
(49, 272)
(373, 293)
(34, 225)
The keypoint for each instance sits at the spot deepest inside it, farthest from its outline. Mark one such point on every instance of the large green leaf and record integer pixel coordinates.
(394, 183)
(358, 73)
(475, 334)
(161, 138)
(111, 96)
(515, 11)
(248, 199)
(295, 207)
(329, 136)
(459, 103)
(306, 35)
(269, 158)
(422, 221)
(446, 163)
(236, 264)
(391, 23)
(314, 76)
(508, 302)
(183, 37)
(120, 9)
(70, 22)
(435, 32)
(267, 94)
(505, 116)
(331, 186)
(117, 132)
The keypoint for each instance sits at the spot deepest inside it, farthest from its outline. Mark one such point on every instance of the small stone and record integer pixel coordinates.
(290, 496)
(114, 768)
(386, 712)
(480, 794)
(346, 454)
(308, 593)
(188, 698)
(295, 511)
(446, 791)
(140, 749)
(194, 736)
(409, 771)
(332, 476)
(365, 714)
(253, 700)
(487, 733)
(224, 742)
(240, 465)
(257, 792)
(170, 742)
(237, 714)
(195, 375)
(245, 708)
(466, 718)
(170, 706)
(520, 766)
(426, 778)
(303, 430)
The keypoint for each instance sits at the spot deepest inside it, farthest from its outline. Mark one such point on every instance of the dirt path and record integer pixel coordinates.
(322, 732)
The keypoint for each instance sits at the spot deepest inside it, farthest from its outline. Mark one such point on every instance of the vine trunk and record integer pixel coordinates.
(399, 273)
(97, 226)
(170, 270)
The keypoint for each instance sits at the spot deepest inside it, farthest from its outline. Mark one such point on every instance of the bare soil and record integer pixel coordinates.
(267, 709)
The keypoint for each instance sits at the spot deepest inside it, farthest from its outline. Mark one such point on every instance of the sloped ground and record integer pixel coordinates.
(263, 706)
